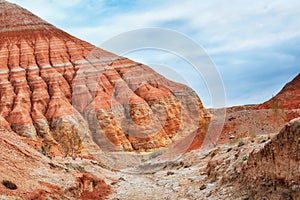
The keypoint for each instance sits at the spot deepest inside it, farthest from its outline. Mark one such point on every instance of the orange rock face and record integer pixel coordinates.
(49, 78)
(288, 98)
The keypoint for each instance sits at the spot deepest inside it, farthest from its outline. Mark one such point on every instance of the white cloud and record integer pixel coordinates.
(219, 25)
(224, 28)
(57, 12)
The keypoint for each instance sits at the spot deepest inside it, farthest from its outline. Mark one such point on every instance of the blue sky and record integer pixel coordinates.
(254, 44)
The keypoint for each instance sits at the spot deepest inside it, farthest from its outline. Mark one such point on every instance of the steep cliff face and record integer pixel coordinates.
(50, 80)
(274, 171)
(288, 98)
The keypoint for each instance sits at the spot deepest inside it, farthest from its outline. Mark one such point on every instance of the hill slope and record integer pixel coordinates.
(51, 81)
(288, 97)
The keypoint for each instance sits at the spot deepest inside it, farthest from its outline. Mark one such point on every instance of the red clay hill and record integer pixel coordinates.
(266, 118)
(52, 81)
(288, 97)
(64, 96)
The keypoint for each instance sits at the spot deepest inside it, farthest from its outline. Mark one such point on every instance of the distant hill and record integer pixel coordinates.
(288, 97)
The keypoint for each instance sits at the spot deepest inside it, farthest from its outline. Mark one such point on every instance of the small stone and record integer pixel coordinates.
(231, 137)
(263, 141)
(295, 187)
(210, 185)
(231, 118)
(203, 187)
(241, 144)
(209, 194)
(170, 173)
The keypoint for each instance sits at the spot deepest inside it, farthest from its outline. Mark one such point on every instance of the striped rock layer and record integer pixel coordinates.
(50, 80)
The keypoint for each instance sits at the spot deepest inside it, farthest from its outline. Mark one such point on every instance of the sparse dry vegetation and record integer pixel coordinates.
(252, 134)
(46, 150)
(70, 144)
(234, 140)
(279, 115)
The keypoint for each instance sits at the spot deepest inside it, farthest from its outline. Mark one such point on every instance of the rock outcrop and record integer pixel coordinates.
(50, 79)
(274, 171)
(38, 177)
(288, 98)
